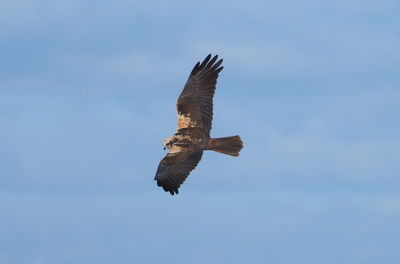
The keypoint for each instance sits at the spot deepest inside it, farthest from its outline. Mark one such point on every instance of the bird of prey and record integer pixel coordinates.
(195, 113)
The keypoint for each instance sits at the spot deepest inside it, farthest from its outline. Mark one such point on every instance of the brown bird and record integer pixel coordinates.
(195, 113)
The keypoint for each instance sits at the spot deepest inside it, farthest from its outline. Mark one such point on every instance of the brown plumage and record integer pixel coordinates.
(195, 113)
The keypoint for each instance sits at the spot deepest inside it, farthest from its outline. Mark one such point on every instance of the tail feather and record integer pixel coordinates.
(226, 145)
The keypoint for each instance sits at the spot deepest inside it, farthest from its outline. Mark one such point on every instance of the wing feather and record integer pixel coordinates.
(195, 103)
(175, 167)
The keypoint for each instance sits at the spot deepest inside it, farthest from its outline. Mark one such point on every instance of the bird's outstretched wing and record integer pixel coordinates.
(175, 167)
(195, 103)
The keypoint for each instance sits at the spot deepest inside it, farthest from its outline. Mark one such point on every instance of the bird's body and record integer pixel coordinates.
(195, 111)
(190, 140)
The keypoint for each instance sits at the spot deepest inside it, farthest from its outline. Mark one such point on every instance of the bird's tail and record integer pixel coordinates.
(226, 145)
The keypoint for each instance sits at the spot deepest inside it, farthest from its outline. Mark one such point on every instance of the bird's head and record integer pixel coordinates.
(168, 142)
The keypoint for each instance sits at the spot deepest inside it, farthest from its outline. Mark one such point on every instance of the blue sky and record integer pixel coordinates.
(87, 94)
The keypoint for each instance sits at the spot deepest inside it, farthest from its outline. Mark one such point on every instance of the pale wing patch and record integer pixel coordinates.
(175, 149)
(185, 121)
(189, 114)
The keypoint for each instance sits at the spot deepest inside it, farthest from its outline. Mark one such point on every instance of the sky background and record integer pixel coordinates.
(87, 95)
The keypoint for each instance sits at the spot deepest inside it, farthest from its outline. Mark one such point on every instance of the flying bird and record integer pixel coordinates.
(195, 113)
